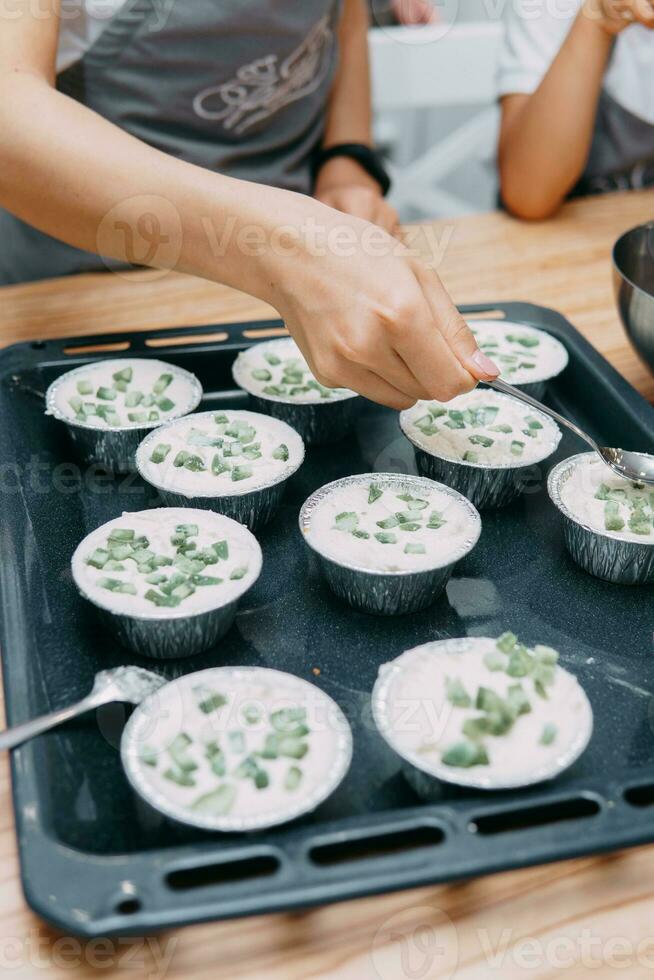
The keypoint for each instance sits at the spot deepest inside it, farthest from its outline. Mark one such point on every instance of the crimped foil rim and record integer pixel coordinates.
(304, 805)
(391, 479)
(388, 672)
(557, 477)
(52, 409)
(288, 472)
(237, 374)
(175, 614)
(547, 376)
(487, 466)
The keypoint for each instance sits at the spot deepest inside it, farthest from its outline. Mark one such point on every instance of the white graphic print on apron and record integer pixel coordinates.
(262, 88)
(239, 87)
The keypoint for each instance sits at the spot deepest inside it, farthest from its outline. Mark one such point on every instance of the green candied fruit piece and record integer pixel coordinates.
(436, 410)
(548, 734)
(153, 417)
(165, 404)
(84, 387)
(221, 549)
(165, 601)
(90, 408)
(502, 427)
(408, 526)
(112, 565)
(272, 359)
(386, 537)
(639, 523)
(463, 755)
(219, 466)
(160, 452)
(506, 642)
(237, 742)
(525, 340)
(232, 449)
(187, 530)
(517, 700)
(241, 473)
(479, 440)
(76, 404)
(182, 591)
(495, 660)
(125, 374)
(455, 420)
(156, 578)
(517, 447)
(374, 493)
(456, 693)
(133, 398)
(546, 655)
(291, 747)
(253, 451)
(612, 519)
(281, 452)
(98, 559)
(243, 432)
(293, 778)
(299, 391)
(147, 401)
(470, 457)
(520, 662)
(529, 432)
(533, 422)
(387, 523)
(121, 551)
(436, 520)
(251, 714)
(179, 777)
(120, 386)
(358, 533)
(476, 728)
(137, 416)
(149, 756)
(115, 585)
(261, 374)
(276, 390)
(178, 752)
(208, 700)
(485, 415)
(238, 573)
(122, 534)
(287, 720)
(414, 549)
(194, 463)
(217, 803)
(106, 394)
(346, 521)
(426, 425)
(617, 493)
(414, 503)
(161, 383)
(181, 458)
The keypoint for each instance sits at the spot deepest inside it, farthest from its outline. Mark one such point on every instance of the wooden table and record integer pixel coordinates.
(594, 914)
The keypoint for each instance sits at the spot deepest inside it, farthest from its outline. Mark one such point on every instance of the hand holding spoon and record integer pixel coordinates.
(637, 467)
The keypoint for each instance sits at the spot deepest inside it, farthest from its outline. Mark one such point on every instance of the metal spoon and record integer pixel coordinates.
(637, 467)
(130, 684)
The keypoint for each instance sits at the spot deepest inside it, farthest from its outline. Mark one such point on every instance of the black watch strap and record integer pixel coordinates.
(365, 156)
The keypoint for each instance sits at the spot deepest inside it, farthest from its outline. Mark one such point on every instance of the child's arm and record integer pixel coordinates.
(367, 314)
(545, 137)
(341, 182)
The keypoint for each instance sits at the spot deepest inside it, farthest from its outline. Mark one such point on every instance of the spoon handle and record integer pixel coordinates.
(12, 737)
(507, 389)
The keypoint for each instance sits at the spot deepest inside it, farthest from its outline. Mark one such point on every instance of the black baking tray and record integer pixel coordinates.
(94, 861)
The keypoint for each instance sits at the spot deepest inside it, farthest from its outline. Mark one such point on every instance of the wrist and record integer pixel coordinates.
(600, 21)
(344, 172)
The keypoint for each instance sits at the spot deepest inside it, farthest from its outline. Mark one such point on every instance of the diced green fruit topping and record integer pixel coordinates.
(503, 427)
(148, 755)
(414, 549)
(479, 440)
(179, 777)
(293, 778)
(612, 519)
(261, 374)
(374, 493)
(470, 457)
(272, 359)
(133, 398)
(548, 734)
(517, 447)
(161, 383)
(358, 533)
(238, 574)
(99, 558)
(456, 693)
(495, 660)
(386, 537)
(506, 642)
(84, 387)
(533, 422)
(218, 802)
(115, 585)
(281, 453)
(137, 416)
(165, 404)
(463, 755)
(346, 521)
(387, 523)
(241, 473)
(209, 700)
(106, 394)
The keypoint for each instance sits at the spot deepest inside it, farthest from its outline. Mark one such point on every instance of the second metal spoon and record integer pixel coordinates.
(637, 467)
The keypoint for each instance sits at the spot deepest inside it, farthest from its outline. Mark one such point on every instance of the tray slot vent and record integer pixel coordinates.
(170, 340)
(260, 333)
(107, 348)
(640, 796)
(375, 846)
(529, 818)
(223, 872)
(486, 315)
(128, 906)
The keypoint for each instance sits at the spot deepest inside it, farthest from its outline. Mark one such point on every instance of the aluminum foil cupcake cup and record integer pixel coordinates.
(487, 485)
(252, 507)
(388, 593)
(149, 720)
(114, 447)
(174, 633)
(320, 421)
(426, 773)
(555, 362)
(605, 554)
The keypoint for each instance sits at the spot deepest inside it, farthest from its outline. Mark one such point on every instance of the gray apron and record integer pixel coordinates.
(237, 86)
(621, 155)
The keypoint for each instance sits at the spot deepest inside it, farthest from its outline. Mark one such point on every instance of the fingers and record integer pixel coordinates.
(371, 386)
(453, 327)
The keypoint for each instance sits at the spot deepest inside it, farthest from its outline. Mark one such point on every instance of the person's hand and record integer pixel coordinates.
(369, 316)
(614, 15)
(413, 12)
(344, 185)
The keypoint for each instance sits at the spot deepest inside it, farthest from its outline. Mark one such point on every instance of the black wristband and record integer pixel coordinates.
(365, 156)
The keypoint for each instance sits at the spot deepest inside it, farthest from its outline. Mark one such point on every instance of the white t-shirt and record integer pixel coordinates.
(535, 31)
(81, 24)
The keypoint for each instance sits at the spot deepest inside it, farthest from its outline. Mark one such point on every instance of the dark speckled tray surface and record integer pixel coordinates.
(94, 861)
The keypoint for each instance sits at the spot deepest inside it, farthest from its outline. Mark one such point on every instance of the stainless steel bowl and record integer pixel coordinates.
(114, 447)
(387, 593)
(602, 553)
(177, 634)
(633, 283)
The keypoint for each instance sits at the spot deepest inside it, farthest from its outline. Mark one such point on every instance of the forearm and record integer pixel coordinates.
(545, 140)
(93, 186)
(349, 114)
